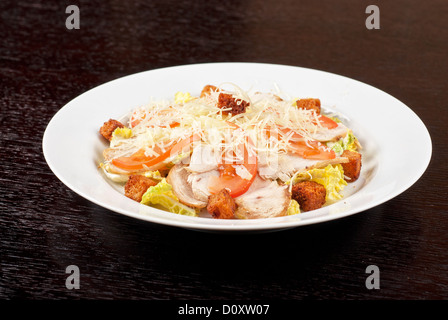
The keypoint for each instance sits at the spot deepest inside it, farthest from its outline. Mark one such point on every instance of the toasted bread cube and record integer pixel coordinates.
(221, 205)
(352, 168)
(109, 127)
(309, 194)
(226, 101)
(309, 104)
(208, 89)
(136, 186)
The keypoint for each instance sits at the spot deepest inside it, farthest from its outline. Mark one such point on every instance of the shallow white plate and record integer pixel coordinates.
(387, 129)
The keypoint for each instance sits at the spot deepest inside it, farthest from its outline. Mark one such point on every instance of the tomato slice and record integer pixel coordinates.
(327, 122)
(311, 150)
(136, 120)
(139, 160)
(307, 149)
(228, 177)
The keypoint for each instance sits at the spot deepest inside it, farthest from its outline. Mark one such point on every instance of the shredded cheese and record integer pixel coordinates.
(162, 123)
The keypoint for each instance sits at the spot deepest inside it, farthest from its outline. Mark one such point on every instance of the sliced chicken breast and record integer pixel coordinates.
(178, 179)
(200, 182)
(203, 159)
(324, 134)
(282, 166)
(286, 165)
(264, 199)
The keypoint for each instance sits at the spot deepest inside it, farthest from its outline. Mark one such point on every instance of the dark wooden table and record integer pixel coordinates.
(45, 227)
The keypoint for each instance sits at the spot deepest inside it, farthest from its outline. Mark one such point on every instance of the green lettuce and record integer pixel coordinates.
(331, 177)
(162, 195)
(346, 143)
(293, 208)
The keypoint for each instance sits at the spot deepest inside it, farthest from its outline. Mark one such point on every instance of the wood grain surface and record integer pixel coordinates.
(45, 227)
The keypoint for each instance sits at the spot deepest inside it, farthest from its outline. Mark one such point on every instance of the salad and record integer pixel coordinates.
(228, 153)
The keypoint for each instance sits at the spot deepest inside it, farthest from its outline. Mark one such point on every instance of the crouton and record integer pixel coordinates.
(309, 194)
(352, 168)
(136, 186)
(226, 101)
(207, 90)
(221, 205)
(109, 127)
(309, 104)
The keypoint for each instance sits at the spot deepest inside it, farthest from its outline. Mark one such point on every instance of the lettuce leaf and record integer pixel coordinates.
(331, 177)
(346, 143)
(162, 195)
(153, 175)
(293, 208)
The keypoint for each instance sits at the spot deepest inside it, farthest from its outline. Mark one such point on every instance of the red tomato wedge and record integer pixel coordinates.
(229, 179)
(135, 121)
(311, 150)
(326, 122)
(139, 160)
(307, 149)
